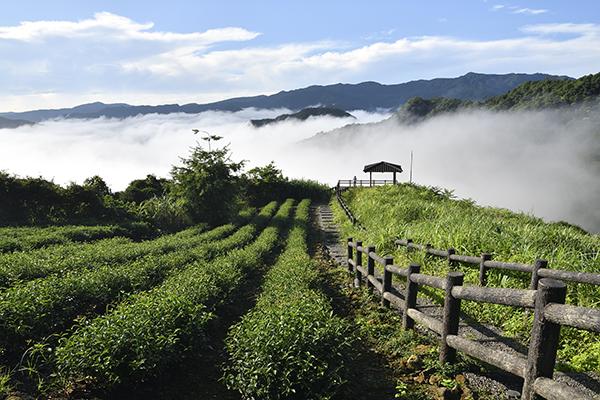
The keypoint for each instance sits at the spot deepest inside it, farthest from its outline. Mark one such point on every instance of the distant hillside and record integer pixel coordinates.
(529, 96)
(550, 93)
(363, 96)
(12, 123)
(41, 115)
(303, 115)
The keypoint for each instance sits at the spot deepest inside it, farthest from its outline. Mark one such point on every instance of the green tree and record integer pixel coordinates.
(263, 184)
(140, 190)
(97, 185)
(207, 185)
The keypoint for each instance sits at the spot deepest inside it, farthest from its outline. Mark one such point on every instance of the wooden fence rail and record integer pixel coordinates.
(539, 269)
(547, 301)
(342, 203)
(348, 183)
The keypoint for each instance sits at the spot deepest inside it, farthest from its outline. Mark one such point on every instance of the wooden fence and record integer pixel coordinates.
(348, 183)
(342, 203)
(546, 299)
(539, 269)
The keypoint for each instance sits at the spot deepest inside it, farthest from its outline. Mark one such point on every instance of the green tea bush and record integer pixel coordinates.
(25, 266)
(38, 308)
(430, 215)
(289, 346)
(154, 329)
(29, 238)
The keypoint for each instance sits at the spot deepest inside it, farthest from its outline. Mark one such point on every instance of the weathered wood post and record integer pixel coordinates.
(451, 252)
(410, 296)
(349, 254)
(483, 269)
(387, 280)
(370, 267)
(544, 336)
(451, 316)
(539, 263)
(408, 248)
(357, 273)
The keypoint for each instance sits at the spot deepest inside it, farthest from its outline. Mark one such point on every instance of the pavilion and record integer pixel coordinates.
(382, 166)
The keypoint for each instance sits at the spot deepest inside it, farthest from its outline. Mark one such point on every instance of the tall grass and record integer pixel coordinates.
(429, 215)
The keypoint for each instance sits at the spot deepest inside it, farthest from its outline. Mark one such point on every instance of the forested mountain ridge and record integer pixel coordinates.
(370, 96)
(303, 115)
(538, 95)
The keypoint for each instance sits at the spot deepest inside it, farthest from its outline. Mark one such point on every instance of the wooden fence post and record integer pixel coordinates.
(408, 249)
(539, 263)
(387, 281)
(451, 251)
(357, 273)
(349, 254)
(544, 336)
(451, 316)
(483, 269)
(370, 267)
(410, 296)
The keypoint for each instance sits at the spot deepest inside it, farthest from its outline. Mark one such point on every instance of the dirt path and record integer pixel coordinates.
(491, 381)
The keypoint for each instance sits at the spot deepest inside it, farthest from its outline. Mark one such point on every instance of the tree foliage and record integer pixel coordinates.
(207, 184)
(140, 190)
(264, 184)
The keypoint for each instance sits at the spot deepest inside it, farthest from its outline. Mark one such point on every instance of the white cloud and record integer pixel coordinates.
(467, 152)
(113, 58)
(498, 7)
(112, 26)
(530, 11)
(579, 29)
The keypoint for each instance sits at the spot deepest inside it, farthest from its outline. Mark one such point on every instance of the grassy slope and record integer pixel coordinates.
(427, 216)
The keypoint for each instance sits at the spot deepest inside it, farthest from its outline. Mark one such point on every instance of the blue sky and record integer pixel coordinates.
(151, 52)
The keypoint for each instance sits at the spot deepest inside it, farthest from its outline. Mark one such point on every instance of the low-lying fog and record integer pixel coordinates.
(544, 163)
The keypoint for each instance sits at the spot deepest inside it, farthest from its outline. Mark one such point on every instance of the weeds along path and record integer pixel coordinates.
(152, 331)
(290, 346)
(20, 267)
(32, 311)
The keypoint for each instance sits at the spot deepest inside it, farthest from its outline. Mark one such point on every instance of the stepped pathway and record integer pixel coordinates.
(494, 381)
(330, 233)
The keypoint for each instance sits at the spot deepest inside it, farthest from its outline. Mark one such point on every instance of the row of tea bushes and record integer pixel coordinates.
(29, 238)
(25, 266)
(31, 311)
(290, 346)
(156, 329)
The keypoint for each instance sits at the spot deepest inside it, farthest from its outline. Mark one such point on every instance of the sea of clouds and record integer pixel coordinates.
(544, 163)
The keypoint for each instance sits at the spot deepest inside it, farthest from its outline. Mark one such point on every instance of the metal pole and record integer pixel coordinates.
(411, 163)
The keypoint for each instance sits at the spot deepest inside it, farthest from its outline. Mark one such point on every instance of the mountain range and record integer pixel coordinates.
(581, 95)
(368, 96)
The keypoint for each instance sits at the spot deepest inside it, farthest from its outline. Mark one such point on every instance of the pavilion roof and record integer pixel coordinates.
(382, 166)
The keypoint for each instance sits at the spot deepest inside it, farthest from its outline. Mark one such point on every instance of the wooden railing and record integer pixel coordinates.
(348, 183)
(539, 269)
(342, 203)
(546, 300)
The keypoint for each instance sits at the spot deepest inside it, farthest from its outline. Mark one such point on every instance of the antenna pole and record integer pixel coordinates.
(411, 163)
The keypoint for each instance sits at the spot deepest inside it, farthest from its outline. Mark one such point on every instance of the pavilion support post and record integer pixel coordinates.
(394, 177)
(370, 179)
